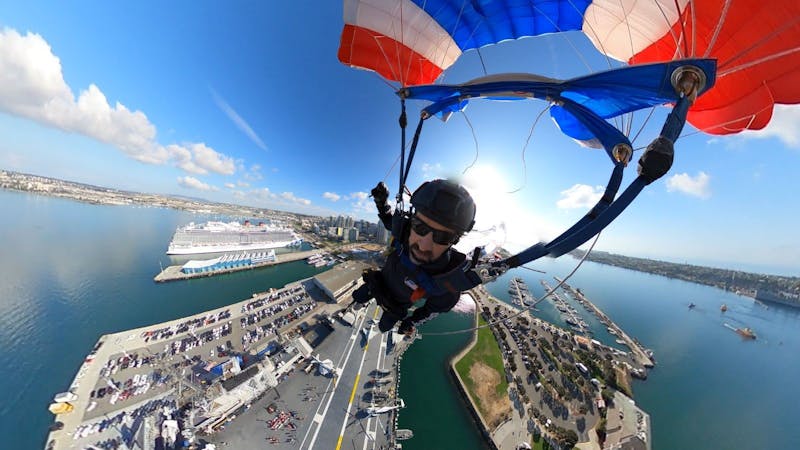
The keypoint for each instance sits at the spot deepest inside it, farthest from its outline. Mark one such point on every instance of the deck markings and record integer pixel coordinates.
(343, 359)
(355, 385)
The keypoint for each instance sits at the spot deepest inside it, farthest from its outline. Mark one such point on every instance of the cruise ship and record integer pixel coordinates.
(213, 237)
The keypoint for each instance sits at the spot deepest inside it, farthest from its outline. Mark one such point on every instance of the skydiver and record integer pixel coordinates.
(422, 251)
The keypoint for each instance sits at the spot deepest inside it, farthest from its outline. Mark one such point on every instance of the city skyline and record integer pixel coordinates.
(235, 105)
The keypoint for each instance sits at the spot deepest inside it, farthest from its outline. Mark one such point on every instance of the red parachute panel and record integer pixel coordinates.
(364, 48)
(758, 60)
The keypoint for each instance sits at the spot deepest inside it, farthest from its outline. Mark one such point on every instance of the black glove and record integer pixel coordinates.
(380, 194)
(362, 295)
(406, 327)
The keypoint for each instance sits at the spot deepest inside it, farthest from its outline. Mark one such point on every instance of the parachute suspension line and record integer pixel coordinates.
(413, 150)
(386, 59)
(525, 147)
(684, 37)
(527, 308)
(671, 31)
(452, 32)
(722, 16)
(386, 175)
(757, 62)
(593, 33)
(397, 48)
(483, 64)
(403, 121)
(405, 167)
(566, 35)
(726, 123)
(475, 139)
(694, 27)
(628, 26)
(641, 128)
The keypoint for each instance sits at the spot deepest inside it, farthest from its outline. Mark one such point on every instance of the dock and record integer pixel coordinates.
(640, 353)
(162, 367)
(174, 273)
(567, 312)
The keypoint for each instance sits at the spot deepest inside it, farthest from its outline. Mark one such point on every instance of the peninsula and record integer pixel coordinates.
(763, 287)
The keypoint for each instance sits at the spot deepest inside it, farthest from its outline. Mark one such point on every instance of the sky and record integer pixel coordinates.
(247, 103)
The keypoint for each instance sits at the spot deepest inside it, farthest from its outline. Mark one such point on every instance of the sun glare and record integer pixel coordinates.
(501, 219)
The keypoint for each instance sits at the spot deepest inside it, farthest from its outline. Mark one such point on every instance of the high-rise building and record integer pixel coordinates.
(382, 235)
(352, 235)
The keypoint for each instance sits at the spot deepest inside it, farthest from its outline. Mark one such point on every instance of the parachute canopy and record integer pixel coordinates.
(756, 43)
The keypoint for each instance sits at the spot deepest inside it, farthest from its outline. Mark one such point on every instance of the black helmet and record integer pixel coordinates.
(447, 203)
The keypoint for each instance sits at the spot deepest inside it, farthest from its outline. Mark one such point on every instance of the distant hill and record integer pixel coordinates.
(745, 283)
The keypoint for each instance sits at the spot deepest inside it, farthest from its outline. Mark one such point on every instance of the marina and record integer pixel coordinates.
(642, 355)
(569, 315)
(520, 295)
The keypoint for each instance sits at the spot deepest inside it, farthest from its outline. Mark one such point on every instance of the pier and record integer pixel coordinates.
(575, 322)
(174, 273)
(640, 353)
(287, 395)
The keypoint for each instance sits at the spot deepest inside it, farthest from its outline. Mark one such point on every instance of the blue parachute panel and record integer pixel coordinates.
(476, 23)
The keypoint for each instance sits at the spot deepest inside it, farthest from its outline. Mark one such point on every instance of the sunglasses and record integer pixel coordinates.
(440, 237)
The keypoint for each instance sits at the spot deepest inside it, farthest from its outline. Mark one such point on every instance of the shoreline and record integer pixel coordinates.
(460, 385)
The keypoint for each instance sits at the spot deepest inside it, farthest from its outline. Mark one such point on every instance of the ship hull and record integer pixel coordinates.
(220, 248)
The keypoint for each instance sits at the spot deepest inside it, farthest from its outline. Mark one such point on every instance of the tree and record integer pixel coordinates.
(601, 430)
(570, 438)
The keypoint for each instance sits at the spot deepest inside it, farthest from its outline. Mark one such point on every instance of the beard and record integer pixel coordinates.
(418, 256)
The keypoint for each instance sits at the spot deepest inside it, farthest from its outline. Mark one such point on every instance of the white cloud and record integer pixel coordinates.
(431, 170)
(200, 159)
(783, 126)
(182, 158)
(357, 196)
(254, 173)
(331, 196)
(362, 203)
(32, 86)
(289, 196)
(230, 185)
(237, 120)
(264, 194)
(194, 183)
(212, 160)
(697, 186)
(241, 183)
(579, 196)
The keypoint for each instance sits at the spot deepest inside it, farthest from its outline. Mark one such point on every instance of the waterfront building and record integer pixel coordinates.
(630, 428)
(336, 284)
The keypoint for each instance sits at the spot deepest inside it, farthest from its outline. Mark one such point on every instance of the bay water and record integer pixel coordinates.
(70, 272)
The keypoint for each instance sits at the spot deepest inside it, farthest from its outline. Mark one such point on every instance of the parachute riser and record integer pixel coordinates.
(660, 153)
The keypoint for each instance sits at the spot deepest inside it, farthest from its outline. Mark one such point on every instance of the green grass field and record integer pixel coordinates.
(487, 351)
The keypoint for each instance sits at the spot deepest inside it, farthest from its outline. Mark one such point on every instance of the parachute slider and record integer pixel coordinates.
(688, 81)
(657, 159)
